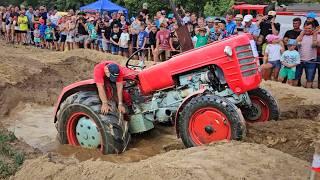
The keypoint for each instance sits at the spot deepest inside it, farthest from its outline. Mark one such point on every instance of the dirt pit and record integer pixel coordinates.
(31, 80)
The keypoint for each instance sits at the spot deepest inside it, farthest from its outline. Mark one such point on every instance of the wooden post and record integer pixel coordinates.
(315, 171)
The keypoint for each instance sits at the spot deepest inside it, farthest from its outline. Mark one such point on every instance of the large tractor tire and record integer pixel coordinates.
(209, 118)
(81, 124)
(265, 107)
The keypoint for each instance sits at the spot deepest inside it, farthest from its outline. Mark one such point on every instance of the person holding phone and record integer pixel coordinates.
(239, 27)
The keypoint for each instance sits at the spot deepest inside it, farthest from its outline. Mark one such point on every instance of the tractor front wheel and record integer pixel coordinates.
(264, 107)
(81, 124)
(206, 119)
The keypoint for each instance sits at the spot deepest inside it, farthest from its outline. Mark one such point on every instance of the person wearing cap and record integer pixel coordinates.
(311, 17)
(289, 60)
(202, 37)
(272, 55)
(108, 77)
(249, 27)
(239, 27)
(124, 42)
(268, 25)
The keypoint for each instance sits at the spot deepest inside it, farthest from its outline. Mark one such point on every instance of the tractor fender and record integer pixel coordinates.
(182, 105)
(71, 89)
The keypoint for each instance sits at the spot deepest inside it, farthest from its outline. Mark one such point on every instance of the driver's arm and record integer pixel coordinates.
(102, 93)
(120, 91)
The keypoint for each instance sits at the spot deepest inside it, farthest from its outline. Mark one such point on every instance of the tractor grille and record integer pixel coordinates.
(246, 59)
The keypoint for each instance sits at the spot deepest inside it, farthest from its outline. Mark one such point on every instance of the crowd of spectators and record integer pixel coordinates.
(282, 59)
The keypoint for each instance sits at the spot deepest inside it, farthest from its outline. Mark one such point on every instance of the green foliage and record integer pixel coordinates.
(10, 158)
(217, 7)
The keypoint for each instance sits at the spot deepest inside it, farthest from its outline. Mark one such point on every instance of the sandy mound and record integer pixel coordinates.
(221, 161)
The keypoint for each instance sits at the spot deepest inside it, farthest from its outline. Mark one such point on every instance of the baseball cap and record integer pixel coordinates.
(247, 18)
(124, 27)
(239, 17)
(292, 42)
(120, 12)
(311, 15)
(114, 72)
(217, 20)
(272, 13)
(272, 37)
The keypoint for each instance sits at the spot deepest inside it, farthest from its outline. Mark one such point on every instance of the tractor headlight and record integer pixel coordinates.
(228, 51)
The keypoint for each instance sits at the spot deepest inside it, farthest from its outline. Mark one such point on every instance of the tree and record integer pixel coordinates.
(217, 7)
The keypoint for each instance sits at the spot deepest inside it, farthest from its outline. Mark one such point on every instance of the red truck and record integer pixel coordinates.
(207, 93)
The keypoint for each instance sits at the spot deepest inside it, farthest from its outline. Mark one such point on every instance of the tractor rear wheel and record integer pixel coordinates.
(81, 124)
(210, 118)
(264, 107)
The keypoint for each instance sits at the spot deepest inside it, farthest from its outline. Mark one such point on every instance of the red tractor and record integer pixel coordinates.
(208, 93)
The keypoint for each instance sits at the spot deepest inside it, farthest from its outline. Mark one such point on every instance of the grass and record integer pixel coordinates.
(10, 158)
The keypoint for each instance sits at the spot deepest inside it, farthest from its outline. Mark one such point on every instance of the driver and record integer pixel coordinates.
(108, 77)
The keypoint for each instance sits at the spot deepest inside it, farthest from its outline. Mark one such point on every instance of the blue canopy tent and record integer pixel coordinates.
(103, 5)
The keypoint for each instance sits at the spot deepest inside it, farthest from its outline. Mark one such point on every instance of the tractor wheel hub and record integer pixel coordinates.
(254, 112)
(87, 133)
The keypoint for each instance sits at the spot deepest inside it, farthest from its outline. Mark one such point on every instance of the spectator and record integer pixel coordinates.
(106, 33)
(49, 32)
(141, 42)
(293, 33)
(42, 29)
(230, 24)
(43, 13)
(186, 19)
(251, 28)
(30, 15)
(202, 38)
(311, 17)
(308, 42)
(71, 28)
(268, 25)
(289, 60)
(152, 38)
(36, 33)
(54, 18)
(223, 33)
(23, 27)
(162, 45)
(114, 39)
(272, 57)
(56, 38)
(174, 41)
(82, 33)
(124, 42)
(90, 28)
(63, 27)
(239, 27)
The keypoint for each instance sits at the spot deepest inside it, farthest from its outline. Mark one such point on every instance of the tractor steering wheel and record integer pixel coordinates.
(132, 66)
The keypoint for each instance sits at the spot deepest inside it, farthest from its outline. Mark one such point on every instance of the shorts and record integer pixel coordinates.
(275, 64)
(309, 68)
(289, 73)
(37, 40)
(70, 39)
(90, 40)
(63, 38)
(106, 46)
(114, 49)
(81, 38)
(8, 27)
(49, 40)
(124, 50)
(100, 41)
(23, 32)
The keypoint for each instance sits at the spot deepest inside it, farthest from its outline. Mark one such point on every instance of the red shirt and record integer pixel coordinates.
(99, 73)
(164, 37)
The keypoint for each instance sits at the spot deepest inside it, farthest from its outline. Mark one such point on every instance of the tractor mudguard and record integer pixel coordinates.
(71, 89)
(184, 102)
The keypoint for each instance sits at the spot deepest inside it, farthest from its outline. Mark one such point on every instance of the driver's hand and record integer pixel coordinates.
(105, 108)
(121, 109)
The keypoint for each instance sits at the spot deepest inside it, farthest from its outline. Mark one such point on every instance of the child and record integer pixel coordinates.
(42, 29)
(141, 42)
(56, 38)
(289, 59)
(49, 32)
(37, 36)
(114, 39)
(124, 42)
(271, 60)
(202, 38)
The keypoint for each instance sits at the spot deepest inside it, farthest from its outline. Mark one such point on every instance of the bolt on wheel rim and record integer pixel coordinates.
(87, 133)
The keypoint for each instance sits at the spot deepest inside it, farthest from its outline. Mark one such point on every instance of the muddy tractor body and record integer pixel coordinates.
(207, 93)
